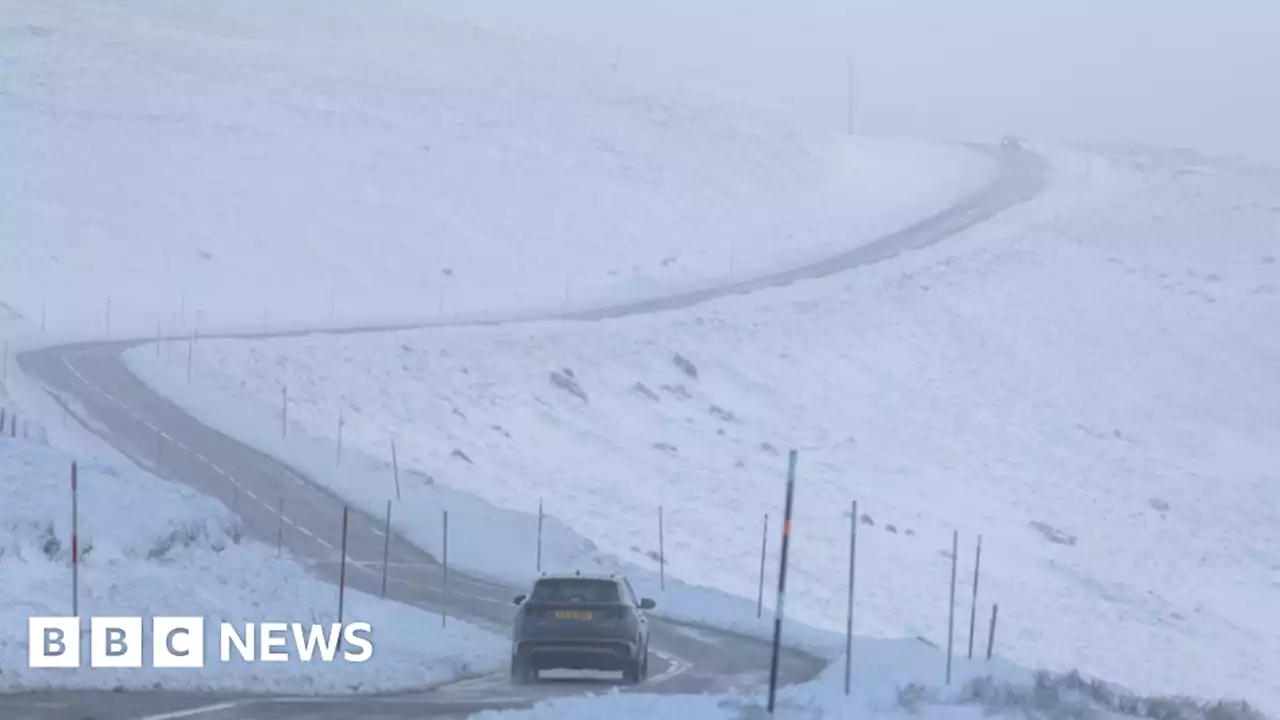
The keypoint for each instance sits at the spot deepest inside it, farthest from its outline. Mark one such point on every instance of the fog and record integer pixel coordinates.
(1177, 73)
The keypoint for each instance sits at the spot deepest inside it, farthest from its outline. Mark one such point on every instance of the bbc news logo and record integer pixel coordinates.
(179, 642)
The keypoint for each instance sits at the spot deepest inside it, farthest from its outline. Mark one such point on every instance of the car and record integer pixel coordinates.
(1009, 142)
(580, 622)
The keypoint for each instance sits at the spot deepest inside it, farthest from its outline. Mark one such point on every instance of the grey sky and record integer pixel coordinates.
(1180, 72)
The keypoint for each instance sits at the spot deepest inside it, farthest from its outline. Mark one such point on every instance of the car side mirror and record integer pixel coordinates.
(520, 598)
(647, 604)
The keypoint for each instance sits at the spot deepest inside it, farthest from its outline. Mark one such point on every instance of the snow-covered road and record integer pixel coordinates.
(128, 414)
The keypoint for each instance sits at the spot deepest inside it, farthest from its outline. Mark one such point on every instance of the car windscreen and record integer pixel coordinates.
(575, 590)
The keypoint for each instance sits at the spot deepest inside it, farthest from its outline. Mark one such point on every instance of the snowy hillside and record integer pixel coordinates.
(1088, 382)
(149, 547)
(259, 164)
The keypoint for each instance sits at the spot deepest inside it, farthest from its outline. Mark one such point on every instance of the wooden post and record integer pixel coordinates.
(951, 609)
(991, 634)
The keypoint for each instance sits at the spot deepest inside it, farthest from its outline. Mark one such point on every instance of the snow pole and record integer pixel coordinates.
(973, 607)
(75, 541)
(662, 554)
(386, 549)
(342, 571)
(538, 565)
(951, 610)
(444, 616)
(848, 623)
(764, 543)
(782, 582)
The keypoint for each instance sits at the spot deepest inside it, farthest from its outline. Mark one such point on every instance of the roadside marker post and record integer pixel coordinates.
(764, 543)
(848, 625)
(386, 549)
(973, 607)
(395, 468)
(75, 540)
(782, 582)
(284, 412)
(280, 528)
(662, 555)
(342, 566)
(991, 634)
(444, 616)
(951, 610)
(538, 566)
(341, 422)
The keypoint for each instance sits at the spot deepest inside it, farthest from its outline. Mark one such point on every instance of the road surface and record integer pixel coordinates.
(92, 382)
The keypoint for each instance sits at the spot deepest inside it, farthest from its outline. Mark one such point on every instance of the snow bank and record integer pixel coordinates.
(148, 548)
(903, 690)
(199, 165)
(1087, 381)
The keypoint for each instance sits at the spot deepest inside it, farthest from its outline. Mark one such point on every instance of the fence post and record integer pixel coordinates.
(75, 540)
(764, 543)
(3, 412)
(395, 468)
(386, 549)
(284, 412)
(159, 450)
(44, 313)
(991, 636)
(444, 616)
(662, 555)
(190, 352)
(5, 374)
(342, 571)
(973, 607)
(951, 610)
(341, 422)
(782, 581)
(539, 562)
(848, 624)
(280, 528)
(159, 334)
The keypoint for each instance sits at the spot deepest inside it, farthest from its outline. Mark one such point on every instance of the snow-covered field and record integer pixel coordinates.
(247, 164)
(1088, 381)
(149, 547)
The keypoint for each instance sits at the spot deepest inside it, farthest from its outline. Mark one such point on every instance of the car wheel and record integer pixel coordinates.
(632, 672)
(521, 673)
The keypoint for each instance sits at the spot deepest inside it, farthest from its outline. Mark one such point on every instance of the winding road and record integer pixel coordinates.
(93, 384)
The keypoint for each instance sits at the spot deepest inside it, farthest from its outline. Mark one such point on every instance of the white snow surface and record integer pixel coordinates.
(149, 547)
(1089, 381)
(881, 670)
(185, 166)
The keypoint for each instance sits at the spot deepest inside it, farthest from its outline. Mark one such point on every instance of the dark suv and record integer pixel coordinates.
(580, 622)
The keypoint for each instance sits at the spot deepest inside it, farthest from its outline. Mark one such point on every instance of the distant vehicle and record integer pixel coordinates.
(580, 622)
(1009, 142)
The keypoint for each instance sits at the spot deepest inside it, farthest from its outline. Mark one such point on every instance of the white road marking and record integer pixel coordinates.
(249, 492)
(217, 469)
(324, 542)
(192, 712)
(287, 519)
(304, 530)
(677, 666)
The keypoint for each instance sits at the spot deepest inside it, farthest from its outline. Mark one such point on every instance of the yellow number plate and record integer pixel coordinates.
(573, 615)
